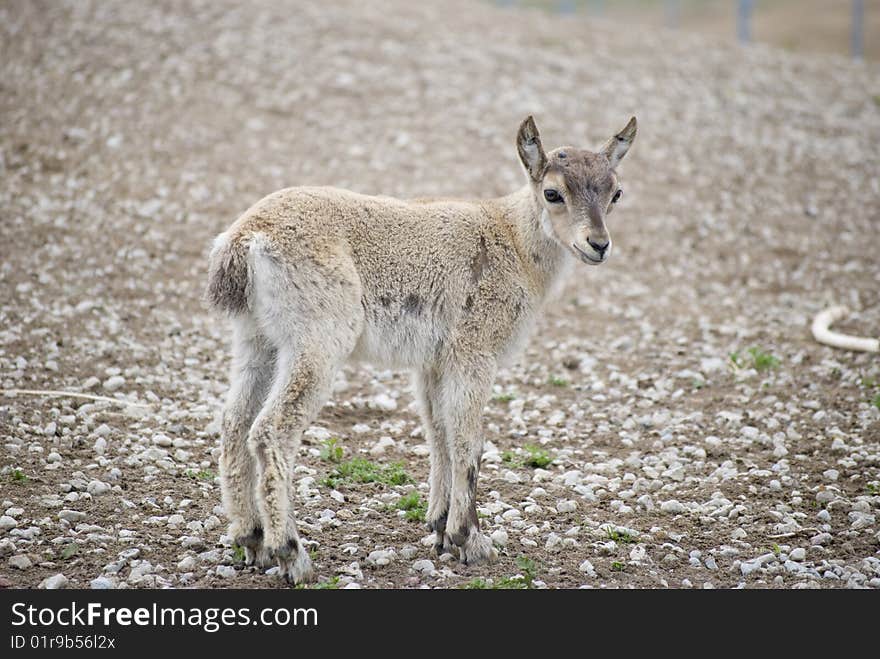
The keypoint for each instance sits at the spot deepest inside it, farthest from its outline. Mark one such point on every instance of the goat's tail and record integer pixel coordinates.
(229, 276)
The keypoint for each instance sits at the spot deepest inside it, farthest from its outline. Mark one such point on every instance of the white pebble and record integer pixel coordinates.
(499, 537)
(672, 506)
(71, 516)
(101, 583)
(553, 540)
(380, 557)
(100, 446)
(54, 582)
(383, 402)
(97, 488)
(382, 445)
(566, 506)
(113, 383)
(425, 567)
(187, 564)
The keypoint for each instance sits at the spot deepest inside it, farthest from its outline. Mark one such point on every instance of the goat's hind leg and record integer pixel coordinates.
(302, 385)
(253, 368)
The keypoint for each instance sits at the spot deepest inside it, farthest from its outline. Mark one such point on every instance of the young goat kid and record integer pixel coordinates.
(312, 277)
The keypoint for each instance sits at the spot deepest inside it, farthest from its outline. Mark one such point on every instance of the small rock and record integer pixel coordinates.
(380, 557)
(821, 539)
(7, 522)
(553, 541)
(113, 383)
(712, 365)
(100, 446)
(798, 554)
(425, 567)
(71, 516)
(672, 506)
(20, 562)
(91, 383)
(225, 571)
(187, 564)
(382, 445)
(566, 506)
(587, 568)
(383, 402)
(54, 582)
(97, 488)
(825, 496)
(499, 537)
(101, 583)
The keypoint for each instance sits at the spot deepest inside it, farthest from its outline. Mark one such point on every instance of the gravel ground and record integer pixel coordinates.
(132, 133)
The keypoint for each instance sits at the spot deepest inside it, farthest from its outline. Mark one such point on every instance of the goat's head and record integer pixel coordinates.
(575, 189)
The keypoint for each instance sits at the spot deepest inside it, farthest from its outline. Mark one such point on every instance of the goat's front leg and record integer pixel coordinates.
(428, 392)
(464, 397)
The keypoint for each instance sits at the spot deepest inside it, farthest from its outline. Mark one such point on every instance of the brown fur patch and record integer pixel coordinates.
(228, 279)
(412, 304)
(480, 261)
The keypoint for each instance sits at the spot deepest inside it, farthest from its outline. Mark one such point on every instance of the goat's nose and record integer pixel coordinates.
(599, 247)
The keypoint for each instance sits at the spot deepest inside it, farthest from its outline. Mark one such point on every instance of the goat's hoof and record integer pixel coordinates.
(297, 568)
(259, 557)
(477, 550)
(294, 564)
(252, 544)
(442, 544)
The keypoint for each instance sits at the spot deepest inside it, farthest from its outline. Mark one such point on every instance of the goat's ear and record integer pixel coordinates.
(615, 148)
(528, 143)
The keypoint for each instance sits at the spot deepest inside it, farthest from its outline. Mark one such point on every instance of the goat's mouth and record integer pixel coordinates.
(587, 258)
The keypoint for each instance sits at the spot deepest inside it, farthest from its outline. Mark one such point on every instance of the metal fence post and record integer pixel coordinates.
(857, 29)
(743, 21)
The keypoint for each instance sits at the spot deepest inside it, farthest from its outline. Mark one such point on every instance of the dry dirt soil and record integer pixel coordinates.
(696, 435)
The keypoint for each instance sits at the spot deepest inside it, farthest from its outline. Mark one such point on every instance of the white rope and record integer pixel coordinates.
(823, 334)
(68, 394)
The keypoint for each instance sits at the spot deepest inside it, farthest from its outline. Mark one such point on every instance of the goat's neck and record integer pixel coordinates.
(541, 254)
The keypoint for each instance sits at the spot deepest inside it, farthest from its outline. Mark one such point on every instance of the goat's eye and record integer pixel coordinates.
(552, 196)
(616, 196)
